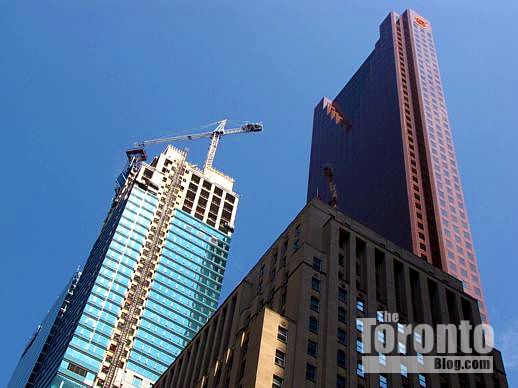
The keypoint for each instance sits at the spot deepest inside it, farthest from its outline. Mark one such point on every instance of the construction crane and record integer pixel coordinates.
(214, 136)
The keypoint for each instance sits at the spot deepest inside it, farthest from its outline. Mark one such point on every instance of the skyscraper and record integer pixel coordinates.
(386, 139)
(152, 279)
(36, 350)
(295, 320)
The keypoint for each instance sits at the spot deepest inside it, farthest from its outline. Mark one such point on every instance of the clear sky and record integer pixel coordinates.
(83, 80)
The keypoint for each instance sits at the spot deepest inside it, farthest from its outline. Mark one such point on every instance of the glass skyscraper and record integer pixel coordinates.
(152, 280)
(37, 347)
(386, 137)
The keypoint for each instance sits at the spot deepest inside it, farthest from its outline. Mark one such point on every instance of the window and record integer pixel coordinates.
(382, 359)
(312, 348)
(313, 324)
(422, 380)
(280, 358)
(383, 381)
(315, 284)
(420, 358)
(340, 381)
(359, 305)
(342, 295)
(380, 335)
(359, 346)
(311, 372)
(277, 382)
(282, 334)
(379, 316)
(341, 314)
(359, 325)
(77, 369)
(404, 370)
(401, 348)
(340, 358)
(137, 381)
(315, 304)
(341, 336)
(359, 370)
(317, 264)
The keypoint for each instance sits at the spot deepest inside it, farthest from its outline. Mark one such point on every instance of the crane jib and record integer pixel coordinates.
(214, 135)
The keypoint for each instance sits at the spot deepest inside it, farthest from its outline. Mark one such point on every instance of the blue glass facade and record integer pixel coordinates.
(178, 299)
(30, 360)
(152, 279)
(52, 360)
(91, 336)
(183, 295)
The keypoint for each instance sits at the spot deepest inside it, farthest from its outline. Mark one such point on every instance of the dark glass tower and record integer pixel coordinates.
(386, 138)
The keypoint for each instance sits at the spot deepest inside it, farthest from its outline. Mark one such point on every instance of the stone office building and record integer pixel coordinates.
(292, 321)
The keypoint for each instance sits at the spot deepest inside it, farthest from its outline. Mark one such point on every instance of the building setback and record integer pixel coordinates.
(153, 277)
(292, 321)
(387, 138)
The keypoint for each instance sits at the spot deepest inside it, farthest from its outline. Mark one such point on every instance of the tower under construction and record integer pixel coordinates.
(154, 275)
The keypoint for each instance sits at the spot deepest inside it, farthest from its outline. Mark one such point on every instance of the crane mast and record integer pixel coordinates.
(214, 141)
(213, 135)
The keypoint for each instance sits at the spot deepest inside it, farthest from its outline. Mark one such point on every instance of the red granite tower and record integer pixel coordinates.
(387, 138)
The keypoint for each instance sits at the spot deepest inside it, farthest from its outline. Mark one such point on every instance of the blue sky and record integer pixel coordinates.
(82, 80)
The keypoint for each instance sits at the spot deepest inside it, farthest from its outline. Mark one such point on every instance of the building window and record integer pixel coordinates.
(317, 264)
(422, 380)
(379, 316)
(359, 325)
(340, 358)
(359, 346)
(311, 372)
(341, 335)
(340, 381)
(359, 370)
(380, 335)
(382, 359)
(315, 304)
(313, 324)
(342, 315)
(404, 370)
(277, 382)
(383, 381)
(401, 348)
(77, 369)
(312, 348)
(282, 334)
(342, 295)
(137, 382)
(420, 358)
(315, 284)
(360, 305)
(280, 358)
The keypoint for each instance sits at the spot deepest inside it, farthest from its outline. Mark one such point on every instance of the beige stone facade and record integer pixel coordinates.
(291, 322)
